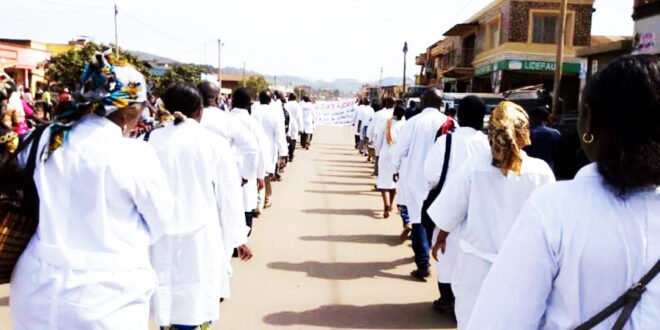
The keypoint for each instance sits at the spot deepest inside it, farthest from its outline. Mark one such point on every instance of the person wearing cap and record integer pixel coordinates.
(103, 200)
(544, 139)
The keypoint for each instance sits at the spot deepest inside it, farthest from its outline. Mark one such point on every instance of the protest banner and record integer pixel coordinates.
(335, 113)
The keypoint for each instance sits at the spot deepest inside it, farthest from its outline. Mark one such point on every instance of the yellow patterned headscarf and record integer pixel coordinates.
(508, 134)
(9, 139)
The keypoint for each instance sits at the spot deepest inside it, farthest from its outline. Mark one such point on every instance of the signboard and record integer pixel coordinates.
(335, 113)
(647, 36)
(526, 65)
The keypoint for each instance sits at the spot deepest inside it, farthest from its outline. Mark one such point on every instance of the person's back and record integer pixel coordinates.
(544, 143)
(579, 245)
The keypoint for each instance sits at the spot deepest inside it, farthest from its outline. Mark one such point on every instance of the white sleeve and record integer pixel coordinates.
(435, 161)
(450, 208)
(282, 146)
(229, 196)
(247, 145)
(403, 144)
(515, 292)
(371, 128)
(153, 197)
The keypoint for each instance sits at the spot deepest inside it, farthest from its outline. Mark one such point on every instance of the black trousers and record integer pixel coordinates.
(292, 148)
(305, 139)
(357, 141)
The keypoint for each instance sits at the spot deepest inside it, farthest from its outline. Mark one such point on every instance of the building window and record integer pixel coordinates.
(545, 29)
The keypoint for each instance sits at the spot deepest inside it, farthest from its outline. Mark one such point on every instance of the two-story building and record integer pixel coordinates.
(511, 44)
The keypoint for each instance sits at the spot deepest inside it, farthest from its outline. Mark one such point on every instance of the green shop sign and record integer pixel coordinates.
(524, 65)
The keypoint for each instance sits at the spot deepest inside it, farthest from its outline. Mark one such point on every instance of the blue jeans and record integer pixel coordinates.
(421, 246)
(403, 210)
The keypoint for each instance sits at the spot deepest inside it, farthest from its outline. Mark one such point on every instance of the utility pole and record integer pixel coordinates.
(561, 37)
(243, 73)
(116, 36)
(405, 52)
(220, 44)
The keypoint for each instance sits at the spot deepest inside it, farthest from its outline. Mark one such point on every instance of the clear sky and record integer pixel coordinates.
(319, 39)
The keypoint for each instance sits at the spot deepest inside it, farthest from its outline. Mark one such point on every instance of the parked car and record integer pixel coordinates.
(451, 101)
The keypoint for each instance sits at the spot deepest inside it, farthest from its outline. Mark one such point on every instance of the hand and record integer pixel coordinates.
(260, 184)
(395, 177)
(244, 252)
(439, 246)
(243, 182)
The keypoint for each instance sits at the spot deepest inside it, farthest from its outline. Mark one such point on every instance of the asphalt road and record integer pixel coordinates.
(324, 256)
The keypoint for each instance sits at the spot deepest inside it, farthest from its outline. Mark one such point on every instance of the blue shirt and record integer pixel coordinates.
(544, 143)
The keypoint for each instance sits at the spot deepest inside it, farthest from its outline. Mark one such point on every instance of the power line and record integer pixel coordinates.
(165, 34)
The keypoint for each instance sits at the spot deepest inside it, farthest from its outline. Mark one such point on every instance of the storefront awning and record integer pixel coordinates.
(459, 73)
(461, 29)
(527, 65)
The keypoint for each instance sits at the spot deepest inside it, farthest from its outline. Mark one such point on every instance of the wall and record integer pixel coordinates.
(518, 28)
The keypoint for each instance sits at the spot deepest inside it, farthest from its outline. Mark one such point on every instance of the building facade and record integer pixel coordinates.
(646, 14)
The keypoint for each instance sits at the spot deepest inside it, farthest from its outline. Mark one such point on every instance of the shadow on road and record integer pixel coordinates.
(345, 270)
(365, 176)
(343, 192)
(4, 301)
(342, 183)
(390, 240)
(382, 316)
(352, 212)
(340, 161)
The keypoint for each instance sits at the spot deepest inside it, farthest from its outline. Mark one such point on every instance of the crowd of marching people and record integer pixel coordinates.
(512, 249)
(143, 199)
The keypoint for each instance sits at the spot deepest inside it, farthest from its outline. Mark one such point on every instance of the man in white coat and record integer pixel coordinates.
(309, 118)
(466, 141)
(191, 264)
(295, 123)
(376, 130)
(415, 141)
(244, 145)
(241, 111)
(271, 118)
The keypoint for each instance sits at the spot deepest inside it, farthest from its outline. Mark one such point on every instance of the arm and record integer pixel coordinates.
(152, 196)
(403, 145)
(229, 197)
(247, 145)
(514, 295)
(449, 210)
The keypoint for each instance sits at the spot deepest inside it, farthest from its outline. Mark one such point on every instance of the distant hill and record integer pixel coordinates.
(343, 85)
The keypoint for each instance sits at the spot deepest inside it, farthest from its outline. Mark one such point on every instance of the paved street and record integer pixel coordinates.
(324, 257)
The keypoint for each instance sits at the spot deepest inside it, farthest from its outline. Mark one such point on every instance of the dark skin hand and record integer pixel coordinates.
(440, 244)
(244, 252)
(243, 182)
(260, 184)
(395, 177)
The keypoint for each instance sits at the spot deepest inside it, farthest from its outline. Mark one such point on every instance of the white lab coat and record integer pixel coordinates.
(250, 188)
(309, 117)
(386, 161)
(356, 116)
(364, 118)
(103, 199)
(295, 118)
(243, 142)
(466, 142)
(271, 118)
(415, 140)
(482, 204)
(574, 249)
(376, 129)
(192, 267)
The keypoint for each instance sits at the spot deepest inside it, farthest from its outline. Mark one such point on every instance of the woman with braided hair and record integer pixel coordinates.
(483, 199)
(103, 199)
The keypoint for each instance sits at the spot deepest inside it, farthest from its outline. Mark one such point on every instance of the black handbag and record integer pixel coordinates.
(427, 222)
(627, 301)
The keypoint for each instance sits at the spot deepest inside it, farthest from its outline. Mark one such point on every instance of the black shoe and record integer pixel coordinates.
(420, 274)
(443, 306)
(256, 214)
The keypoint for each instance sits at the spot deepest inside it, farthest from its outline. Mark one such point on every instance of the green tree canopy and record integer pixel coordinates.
(191, 73)
(66, 68)
(255, 84)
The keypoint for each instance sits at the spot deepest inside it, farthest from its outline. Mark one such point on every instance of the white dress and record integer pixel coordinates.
(482, 203)
(466, 142)
(103, 200)
(414, 142)
(574, 249)
(193, 266)
(386, 161)
(309, 117)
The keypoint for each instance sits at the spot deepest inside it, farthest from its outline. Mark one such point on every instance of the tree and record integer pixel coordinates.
(255, 84)
(191, 73)
(66, 68)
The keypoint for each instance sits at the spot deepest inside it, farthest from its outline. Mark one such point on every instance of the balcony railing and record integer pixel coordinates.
(458, 58)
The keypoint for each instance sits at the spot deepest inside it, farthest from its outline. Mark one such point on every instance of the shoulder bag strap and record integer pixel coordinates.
(445, 165)
(31, 196)
(627, 301)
